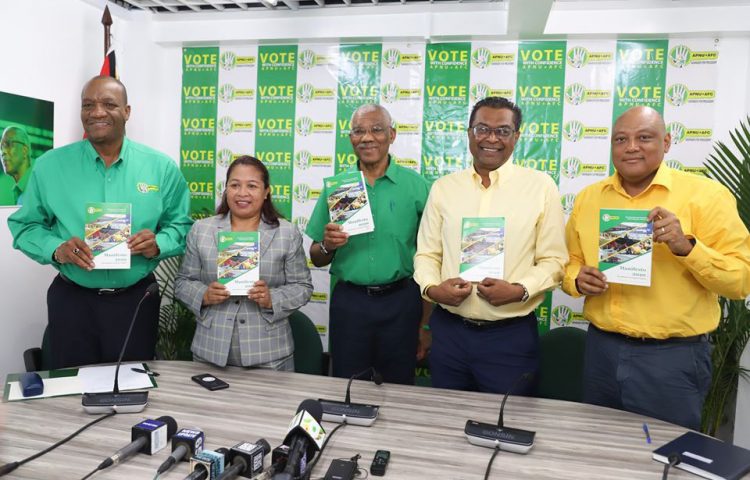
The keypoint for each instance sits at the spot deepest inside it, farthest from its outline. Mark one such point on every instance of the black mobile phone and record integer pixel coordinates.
(206, 380)
(380, 462)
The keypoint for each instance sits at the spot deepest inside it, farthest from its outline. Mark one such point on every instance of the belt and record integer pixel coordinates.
(378, 290)
(149, 279)
(652, 341)
(487, 324)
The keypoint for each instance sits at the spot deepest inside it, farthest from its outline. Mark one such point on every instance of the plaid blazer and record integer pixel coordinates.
(265, 334)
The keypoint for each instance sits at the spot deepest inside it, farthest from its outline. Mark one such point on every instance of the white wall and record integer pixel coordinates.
(64, 48)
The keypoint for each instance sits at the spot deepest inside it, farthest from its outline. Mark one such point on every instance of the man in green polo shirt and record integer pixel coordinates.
(15, 154)
(89, 310)
(376, 309)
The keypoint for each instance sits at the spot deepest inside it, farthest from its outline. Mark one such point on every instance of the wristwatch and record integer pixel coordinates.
(525, 292)
(324, 249)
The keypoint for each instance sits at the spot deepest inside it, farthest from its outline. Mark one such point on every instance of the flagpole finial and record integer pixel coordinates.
(107, 17)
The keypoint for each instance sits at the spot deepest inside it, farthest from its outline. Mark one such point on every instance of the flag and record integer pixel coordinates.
(109, 67)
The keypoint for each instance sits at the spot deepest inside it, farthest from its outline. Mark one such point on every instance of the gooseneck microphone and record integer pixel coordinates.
(352, 413)
(375, 377)
(246, 460)
(148, 436)
(498, 436)
(185, 443)
(305, 436)
(673, 460)
(129, 402)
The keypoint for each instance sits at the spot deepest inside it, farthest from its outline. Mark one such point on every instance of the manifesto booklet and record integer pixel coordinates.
(482, 248)
(238, 261)
(106, 233)
(706, 457)
(348, 204)
(625, 246)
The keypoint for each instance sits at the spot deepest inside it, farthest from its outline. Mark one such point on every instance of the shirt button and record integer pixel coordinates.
(242, 321)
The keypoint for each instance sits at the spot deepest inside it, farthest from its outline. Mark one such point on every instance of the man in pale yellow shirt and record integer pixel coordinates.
(484, 334)
(647, 349)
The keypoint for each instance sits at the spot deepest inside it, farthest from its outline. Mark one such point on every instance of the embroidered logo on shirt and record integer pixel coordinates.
(144, 187)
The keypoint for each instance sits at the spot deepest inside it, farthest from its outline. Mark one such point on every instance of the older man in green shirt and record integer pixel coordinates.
(375, 307)
(15, 154)
(89, 310)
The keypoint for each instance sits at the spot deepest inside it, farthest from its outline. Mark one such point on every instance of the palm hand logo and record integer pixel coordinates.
(481, 57)
(575, 94)
(220, 188)
(389, 92)
(228, 60)
(677, 131)
(301, 223)
(673, 164)
(677, 94)
(479, 91)
(562, 315)
(226, 93)
(304, 126)
(224, 157)
(392, 58)
(573, 130)
(680, 56)
(305, 92)
(577, 57)
(226, 125)
(307, 59)
(567, 201)
(302, 192)
(571, 167)
(302, 159)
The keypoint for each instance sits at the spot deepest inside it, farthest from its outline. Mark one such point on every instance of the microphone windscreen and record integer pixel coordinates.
(313, 407)
(171, 423)
(222, 451)
(674, 458)
(377, 378)
(152, 289)
(262, 443)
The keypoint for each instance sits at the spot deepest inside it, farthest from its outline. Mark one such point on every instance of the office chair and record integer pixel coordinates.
(308, 349)
(561, 353)
(37, 358)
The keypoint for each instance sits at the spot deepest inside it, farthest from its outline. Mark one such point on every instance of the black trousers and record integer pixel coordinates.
(86, 328)
(375, 331)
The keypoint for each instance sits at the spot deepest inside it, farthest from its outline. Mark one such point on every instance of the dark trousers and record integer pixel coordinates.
(375, 331)
(490, 359)
(665, 381)
(86, 328)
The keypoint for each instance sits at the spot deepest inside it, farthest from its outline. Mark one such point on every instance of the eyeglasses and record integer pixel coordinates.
(375, 131)
(483, 131)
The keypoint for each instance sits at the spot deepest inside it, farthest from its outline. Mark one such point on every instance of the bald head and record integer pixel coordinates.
(644, 116)
(105, 79)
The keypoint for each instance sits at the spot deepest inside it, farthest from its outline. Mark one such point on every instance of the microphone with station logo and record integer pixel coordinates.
(246, 460)
(185, 443)
(352, 413)
(499, 436)
(305, 436)
(148, 436)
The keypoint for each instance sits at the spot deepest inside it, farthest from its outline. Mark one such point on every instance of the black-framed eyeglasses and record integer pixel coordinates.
(375, 131)
(483, 131)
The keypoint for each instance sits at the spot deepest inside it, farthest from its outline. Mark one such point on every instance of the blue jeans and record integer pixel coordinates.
(667, 381)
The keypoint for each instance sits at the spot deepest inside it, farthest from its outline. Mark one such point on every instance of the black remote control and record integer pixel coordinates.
(380, 462)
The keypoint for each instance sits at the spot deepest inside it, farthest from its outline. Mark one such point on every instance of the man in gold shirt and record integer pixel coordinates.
(484, 334)
(647, 349)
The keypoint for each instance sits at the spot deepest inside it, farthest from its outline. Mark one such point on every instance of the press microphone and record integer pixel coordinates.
(128, 402)
(304, 436)
(353, 413)
(246, 460)
(673, 459)
(498, 436)
(148, 436)
(207, 464)
(185, 443)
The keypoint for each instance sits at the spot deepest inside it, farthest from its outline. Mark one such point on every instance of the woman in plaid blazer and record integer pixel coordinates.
(250, 330)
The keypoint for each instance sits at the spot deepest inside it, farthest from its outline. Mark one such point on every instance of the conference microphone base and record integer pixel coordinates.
(351, 413)
(490, 436)
(124, 402)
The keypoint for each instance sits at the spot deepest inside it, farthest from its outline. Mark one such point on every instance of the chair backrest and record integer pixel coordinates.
(308, 349)
(37, 359)
(561, 353)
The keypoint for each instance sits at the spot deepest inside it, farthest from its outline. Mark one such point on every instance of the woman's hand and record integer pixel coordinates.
(215, 294)
(260, 294)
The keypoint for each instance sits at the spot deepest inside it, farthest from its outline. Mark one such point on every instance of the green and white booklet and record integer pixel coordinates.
(238, 261)
(348, 203)
(625, 246)
(482, 248)
(107, 229)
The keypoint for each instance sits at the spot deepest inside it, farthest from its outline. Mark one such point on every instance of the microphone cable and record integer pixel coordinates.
(9, 467)
(492, 459)
(309, 469)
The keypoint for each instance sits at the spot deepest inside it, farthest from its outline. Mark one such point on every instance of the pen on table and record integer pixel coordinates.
(147, 372)
(648, 435)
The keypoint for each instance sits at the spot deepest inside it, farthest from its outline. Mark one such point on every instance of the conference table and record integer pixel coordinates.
(422, 427)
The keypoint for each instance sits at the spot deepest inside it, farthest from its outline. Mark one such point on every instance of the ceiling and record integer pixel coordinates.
(179, 6)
